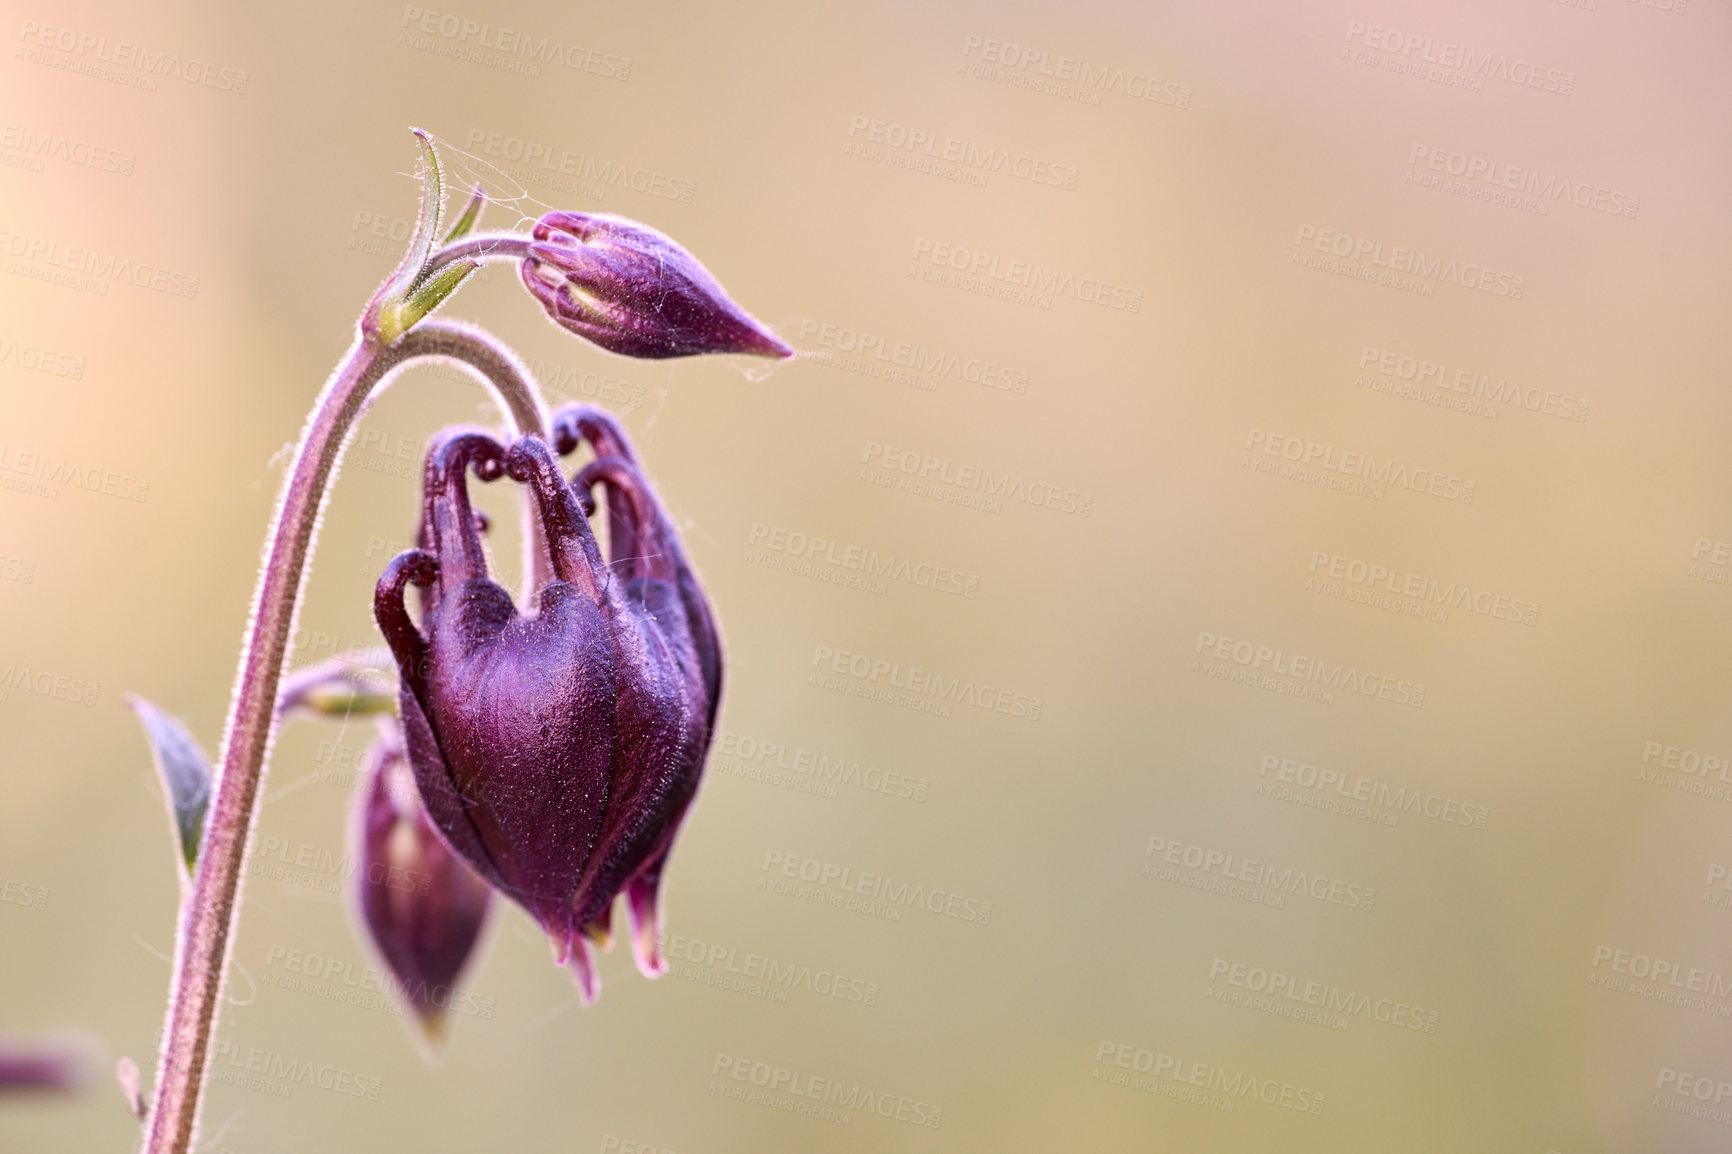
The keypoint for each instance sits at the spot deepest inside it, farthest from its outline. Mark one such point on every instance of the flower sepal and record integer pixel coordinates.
(416, 288)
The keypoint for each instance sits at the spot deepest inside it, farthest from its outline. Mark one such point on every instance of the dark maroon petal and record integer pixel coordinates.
(661, 735)
(580, 422)
(524, 716)
(447, 808)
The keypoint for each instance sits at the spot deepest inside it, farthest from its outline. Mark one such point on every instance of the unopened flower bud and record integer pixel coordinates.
(633, 291)
(422, 906)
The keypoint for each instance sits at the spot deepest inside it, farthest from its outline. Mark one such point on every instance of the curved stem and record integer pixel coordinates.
(206, 934)
(482, 246)
(485, 355)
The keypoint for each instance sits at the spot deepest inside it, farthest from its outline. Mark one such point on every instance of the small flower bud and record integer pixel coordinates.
(633, 291)
(423, 908)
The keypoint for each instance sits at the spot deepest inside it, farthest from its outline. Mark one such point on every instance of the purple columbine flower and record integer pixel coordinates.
(558, 752)
(633, 291)
(422, 906)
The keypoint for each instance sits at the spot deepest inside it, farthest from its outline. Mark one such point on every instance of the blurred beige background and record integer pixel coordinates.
(1359, 585)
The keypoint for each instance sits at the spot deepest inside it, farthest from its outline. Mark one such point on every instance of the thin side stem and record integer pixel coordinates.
(206, 934)
(482, 246)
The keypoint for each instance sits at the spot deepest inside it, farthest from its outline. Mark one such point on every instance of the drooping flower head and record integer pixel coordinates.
(634, 291)
(421, 905)
(557, 752)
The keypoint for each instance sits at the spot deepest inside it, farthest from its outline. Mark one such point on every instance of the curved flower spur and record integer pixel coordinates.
(556, 752)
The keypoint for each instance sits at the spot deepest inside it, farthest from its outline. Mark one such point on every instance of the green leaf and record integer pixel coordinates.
(185, 773)
(471, 215)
